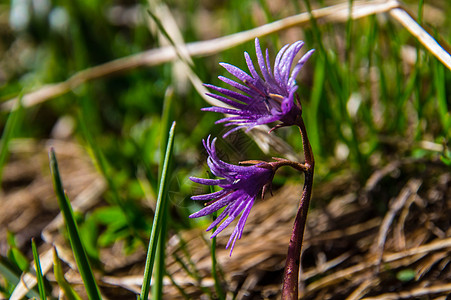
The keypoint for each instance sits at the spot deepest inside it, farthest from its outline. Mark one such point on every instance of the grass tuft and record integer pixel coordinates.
(81, 258)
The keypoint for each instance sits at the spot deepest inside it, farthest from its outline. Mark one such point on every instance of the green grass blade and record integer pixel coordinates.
(8, 133)
(39, 275)
(420, 12)
(157, 289)
(214, 262)
(167, 116)
(69, 292)
(81, 258)
(166, 124)
(214, 266)
(348, 56)
(440, 87)
(15, 255)
(157, 220)
(8, 272)
(418, 86)
(13, 275)
(313, 109)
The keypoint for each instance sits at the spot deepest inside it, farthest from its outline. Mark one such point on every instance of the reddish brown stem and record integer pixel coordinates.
(291, 273)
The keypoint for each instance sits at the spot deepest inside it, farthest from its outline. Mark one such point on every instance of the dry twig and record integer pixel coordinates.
(410, 189)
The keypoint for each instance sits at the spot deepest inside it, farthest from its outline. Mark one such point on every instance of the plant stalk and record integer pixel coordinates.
(291, 273)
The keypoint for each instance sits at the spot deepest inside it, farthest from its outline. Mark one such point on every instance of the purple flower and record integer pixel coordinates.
(240, 187)
(266, 99)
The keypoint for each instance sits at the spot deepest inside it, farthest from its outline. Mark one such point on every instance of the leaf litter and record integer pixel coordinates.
(362, 240)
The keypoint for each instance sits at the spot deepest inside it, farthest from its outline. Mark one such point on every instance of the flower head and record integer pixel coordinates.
(240, 187)
(266, 99)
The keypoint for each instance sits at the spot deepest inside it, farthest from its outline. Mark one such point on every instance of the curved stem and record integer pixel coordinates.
(285, 162)
(291, 273)
(308, 153)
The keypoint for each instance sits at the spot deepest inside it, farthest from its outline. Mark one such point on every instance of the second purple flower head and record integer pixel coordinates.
(265, 100)
(240, 187)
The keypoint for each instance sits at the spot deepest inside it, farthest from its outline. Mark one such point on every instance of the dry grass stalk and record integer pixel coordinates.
(411, 189)
(417, 292)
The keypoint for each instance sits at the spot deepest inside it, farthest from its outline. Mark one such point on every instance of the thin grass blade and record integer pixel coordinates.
(440, 87)
(166, 124)
(69, 292)
(167, 116)
(315, 99)
(8, 133)
(349, 57)
(214, 262)
(39, 275)
(157, 221)
(81, 258)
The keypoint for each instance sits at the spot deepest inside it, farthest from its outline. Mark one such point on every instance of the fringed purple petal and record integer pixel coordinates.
(232, 119)
(238, 207)
(219, 219)
(244, 216)
(261, 62)
(297, 68)
(223, 226)
(237, 85)
(268, 64)
(250, 66)
(209, 196)
(224, 110)
(233, 130)
(227, 101)
(212, 207)
(232, 239)
(277, 63)
(233, 94)
(205, 181)
(237, 72)
(220, 168)
(287, 60)
(268, 119)
(238, 231)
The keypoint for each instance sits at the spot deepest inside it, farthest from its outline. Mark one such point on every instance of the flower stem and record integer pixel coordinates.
(291, 273)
